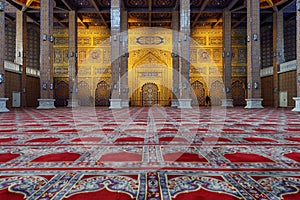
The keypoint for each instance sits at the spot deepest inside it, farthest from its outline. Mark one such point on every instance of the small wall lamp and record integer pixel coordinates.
(44, 37)
(72, 54)
(1, 78)
(1, 6)
(51, 38)
(44, 86)
(255, 37)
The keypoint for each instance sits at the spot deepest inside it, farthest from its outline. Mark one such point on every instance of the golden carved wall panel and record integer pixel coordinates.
(242, 55)
(204, 55)
(84, 41)
(200, 41)
(100, 41)
(61, 41)
(239, 41)
(147, 46)
(217, 54)
(58, 55)
(60, 70)
(93, 56)
(215, 41)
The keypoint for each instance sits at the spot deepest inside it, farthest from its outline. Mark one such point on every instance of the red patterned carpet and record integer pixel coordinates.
(150, 153)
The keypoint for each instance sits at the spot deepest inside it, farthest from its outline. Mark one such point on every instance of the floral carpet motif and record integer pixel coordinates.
(149, 153)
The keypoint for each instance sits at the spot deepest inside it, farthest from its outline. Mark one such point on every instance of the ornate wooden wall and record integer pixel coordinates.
(93, 59)
(150, 59)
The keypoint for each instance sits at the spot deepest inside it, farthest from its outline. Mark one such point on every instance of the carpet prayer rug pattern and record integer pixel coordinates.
(150, 153)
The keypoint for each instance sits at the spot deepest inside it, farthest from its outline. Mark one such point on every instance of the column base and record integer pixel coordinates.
(72, 103)
(254, 103)
(3, 105)
(175, 103)
(297, 104)
(227, 102)
(184, 103)
(46, 104)
(125, 103)
(115, 104)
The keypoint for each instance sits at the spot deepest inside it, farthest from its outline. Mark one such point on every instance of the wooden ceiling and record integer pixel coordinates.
(141, 13)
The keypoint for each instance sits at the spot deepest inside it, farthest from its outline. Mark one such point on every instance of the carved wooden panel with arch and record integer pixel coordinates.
(238, 93)
(84, 94)
(150, 94)
(61, 93)
(198, 98)
(102, 94)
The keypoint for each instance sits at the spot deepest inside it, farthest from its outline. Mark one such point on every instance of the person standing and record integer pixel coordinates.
(207, 101)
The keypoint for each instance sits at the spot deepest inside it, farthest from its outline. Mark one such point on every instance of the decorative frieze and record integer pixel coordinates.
(288, 66)
(14, 67)
(61, 41)
(215, 41)
(239, 71)
(150, 74)
(32, 72)
(61, 70)
(105, 71)
(266, 72)
(84, 41)
(150, 40)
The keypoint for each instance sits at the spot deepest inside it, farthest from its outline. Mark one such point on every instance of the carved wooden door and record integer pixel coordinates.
(84, 94)
(238, 93)
(199, 94)
(61, 93)
(216, 93)
(150, 94)
(102, 94)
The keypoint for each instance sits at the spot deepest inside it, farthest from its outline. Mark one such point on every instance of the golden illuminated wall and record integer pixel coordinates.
(93, 56)
(206, 55)
(150, 61)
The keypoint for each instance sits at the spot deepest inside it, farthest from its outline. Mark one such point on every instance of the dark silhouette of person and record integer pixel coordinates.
(207, 100)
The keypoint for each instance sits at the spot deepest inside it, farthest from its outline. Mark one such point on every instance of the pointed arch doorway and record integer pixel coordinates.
(149, 94)
(102, 94)
(199, 94)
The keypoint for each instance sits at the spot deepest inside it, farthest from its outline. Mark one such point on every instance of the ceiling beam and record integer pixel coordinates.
(123, 4)
(10, 8)
(82, 23)
(98, 11)
(67, 5)
(238, 8)
(60, 23)
(176, 5)
(153, 21)
(239, 22)
(143, 10)
(203, 6)
(33, 20)
(266, 19)
(232, 4)
(9, 18)
(286, 4)
(219, 19)
(14, 4)
(270, 2)
(28, 3)
(150, 13)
